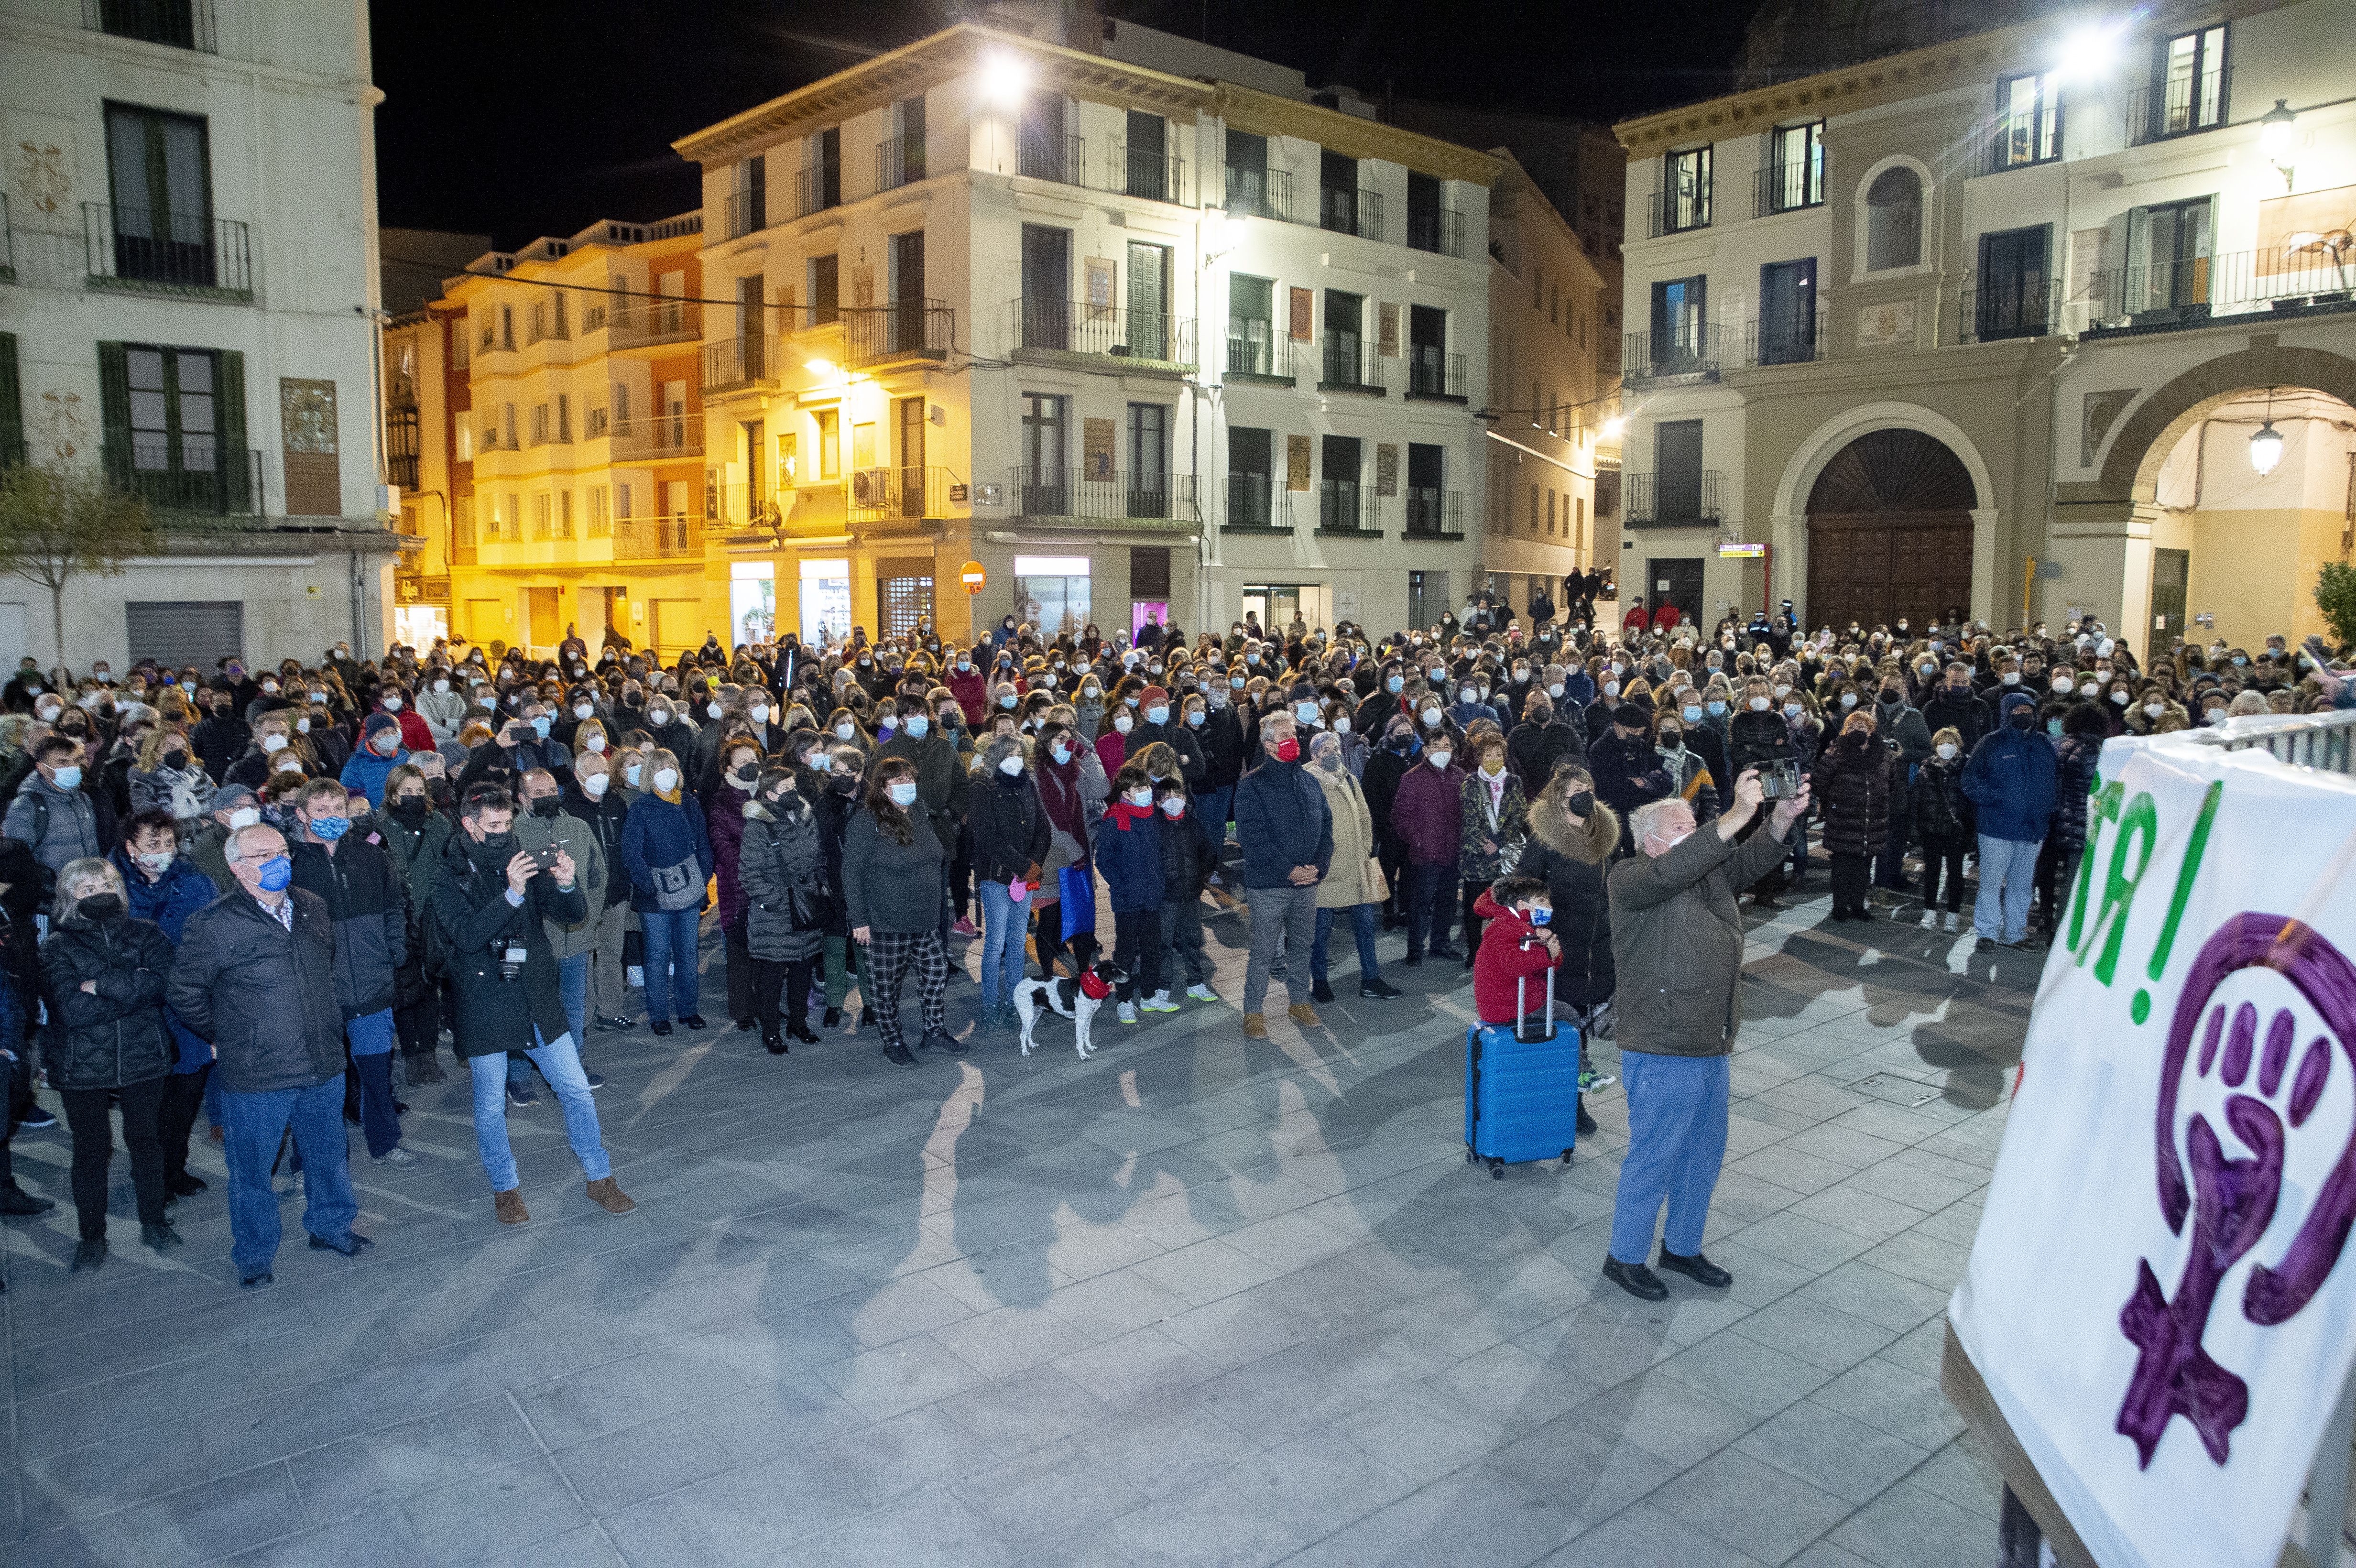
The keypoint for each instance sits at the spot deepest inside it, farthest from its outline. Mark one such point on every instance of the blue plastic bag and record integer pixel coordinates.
(1077, 887)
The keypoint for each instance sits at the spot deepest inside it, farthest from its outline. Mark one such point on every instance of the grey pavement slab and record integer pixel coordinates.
(1199, 1299)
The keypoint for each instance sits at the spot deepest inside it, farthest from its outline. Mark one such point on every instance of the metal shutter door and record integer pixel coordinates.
(176, 633)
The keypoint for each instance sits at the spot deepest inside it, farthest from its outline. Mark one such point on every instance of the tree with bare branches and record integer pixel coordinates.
(58, 524)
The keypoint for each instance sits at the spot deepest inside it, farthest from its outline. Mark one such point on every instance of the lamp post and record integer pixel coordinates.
(2275, 138)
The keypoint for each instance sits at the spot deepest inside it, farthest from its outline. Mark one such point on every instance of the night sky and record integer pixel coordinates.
(567, 111)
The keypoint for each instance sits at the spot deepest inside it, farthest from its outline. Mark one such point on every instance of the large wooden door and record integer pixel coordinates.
(1889, 533)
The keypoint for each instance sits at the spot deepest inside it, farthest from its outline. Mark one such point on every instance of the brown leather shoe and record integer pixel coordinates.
(509, 1206)
(1254, 1026)
(604, 1193)
(1302, 1014)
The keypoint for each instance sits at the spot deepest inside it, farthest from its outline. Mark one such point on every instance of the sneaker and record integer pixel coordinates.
(294, 1188)
(1378, 987)
(1951, 924)
(520, 1094)
(952, 1046)
(1202, 993)
(964, 927)
(396, 1156)
(1929, 919)
(1158, 1002)
(1590, 1079)
(611, 1024)
(899, 1056)
(37, 1116)
(947, 1044)
(597, 1080)
(1128, 1012)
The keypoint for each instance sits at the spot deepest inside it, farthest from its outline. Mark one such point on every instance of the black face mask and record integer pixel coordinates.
(2024, 719)
(1581, 802)
(547, 805)
(175, 760)
(101, 906)
(497, 848)
(407, 811)
(844, 785)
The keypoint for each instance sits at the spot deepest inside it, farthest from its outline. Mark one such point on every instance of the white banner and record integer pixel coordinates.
(2157, 1297)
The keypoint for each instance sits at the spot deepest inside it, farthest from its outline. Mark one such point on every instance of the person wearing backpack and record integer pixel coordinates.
(668, 853)
(53, 815)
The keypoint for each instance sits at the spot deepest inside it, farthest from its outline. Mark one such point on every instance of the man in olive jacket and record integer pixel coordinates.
(1677, 948)
(491, 912)
(255, 977)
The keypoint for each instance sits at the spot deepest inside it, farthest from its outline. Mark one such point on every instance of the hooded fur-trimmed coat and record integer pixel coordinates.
(1571, 859)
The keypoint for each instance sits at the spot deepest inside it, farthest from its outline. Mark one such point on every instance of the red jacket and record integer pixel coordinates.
(1638, 619)
(414, 734)
(971, 690)
(1666, 618)
(1498, 967)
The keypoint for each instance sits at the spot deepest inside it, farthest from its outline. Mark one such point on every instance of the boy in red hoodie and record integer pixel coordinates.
(1514, 946)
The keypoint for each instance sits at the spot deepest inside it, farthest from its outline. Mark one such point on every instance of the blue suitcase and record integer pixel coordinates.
(1521, 1089)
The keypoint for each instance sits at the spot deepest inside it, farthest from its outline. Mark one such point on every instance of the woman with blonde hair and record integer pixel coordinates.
(666, 850)
(167, 776)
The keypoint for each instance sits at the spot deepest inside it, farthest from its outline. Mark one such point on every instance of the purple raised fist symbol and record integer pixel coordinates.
(2232, 1198)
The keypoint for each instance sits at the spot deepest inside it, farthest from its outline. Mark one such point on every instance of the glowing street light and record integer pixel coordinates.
(1004, 78)
(1614, 427)
(2274, 135)
(2265, 449)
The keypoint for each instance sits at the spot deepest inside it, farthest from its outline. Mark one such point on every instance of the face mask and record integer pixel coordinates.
(2053, 728)
(276, 873)
(1122, 724)
(2240, 659)
(1341, 725)
(844, 730)
(1395, 684)
(1061, 753)
(1673, 740)
(1440, 759)
(1793, 709)
(243, 817)
(1235, 682)
(583, 710)
(666, 780)
(330, 827)
(1494, 766)
(272, 743)
(441, 686)
(2062, 683)
(758, 712)
(1287, 749)
(2154, 709)
(1849, 700)
(658, 717)
(100, 906)
(1716, 709)
(903, 796)
(1554, 689)
(1158, 714)
(630, 775)
(386, 744)
(1011, 766)
(392, 705)
(1782, 689)
(1611, 689)
(1432, 717)
(1142, 799)
(1007, 702)
(270, 687)
(1692, 714)
(156, 860)
(745, 778)
(917, 725)
(1541, 914)
(1760, 704)
(540, 727)
(1195, 718)
(175, 760)
(2087, 689)
(68, 778)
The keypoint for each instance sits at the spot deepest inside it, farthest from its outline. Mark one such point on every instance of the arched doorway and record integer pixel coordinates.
(1890, 532)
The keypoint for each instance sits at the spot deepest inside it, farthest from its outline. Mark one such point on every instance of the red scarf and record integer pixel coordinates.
(1123, 814)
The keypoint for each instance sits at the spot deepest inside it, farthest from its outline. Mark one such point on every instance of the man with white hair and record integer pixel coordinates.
(1677, 948)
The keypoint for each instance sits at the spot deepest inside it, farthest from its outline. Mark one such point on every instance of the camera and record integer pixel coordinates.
(513, 955)
(1779, 781)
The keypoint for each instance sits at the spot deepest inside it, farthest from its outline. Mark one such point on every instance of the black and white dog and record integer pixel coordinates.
(1077, 998)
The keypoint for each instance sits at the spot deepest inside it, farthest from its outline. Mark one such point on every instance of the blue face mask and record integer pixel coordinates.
(331, 828)
(1716, 709)
(916, 726)
(1693, 715)
(540, 726)
(1541, 915)
(1007, 703)
(1397, 684)
(2053, 728)
(276, 873)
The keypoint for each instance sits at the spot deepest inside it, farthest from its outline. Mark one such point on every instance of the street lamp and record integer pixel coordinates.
(2275, 137)
(1004, 80)
(2266, 446)
(1614, 427)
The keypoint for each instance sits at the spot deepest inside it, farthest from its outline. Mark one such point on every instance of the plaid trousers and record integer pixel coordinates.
(890, 953)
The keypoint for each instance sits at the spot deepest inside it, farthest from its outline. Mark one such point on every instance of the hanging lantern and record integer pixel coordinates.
(2265, 449)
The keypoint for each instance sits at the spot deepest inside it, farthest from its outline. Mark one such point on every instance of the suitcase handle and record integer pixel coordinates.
(1522, 1009)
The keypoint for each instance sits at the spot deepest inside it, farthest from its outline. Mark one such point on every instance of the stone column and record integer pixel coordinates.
(1989, 597)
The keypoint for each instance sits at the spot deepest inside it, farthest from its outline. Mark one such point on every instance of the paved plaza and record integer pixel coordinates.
(1198, 1300)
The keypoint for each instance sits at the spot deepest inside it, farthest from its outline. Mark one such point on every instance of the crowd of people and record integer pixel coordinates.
(235, 896)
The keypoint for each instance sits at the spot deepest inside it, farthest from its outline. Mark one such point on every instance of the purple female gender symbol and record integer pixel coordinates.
(2232, 1202)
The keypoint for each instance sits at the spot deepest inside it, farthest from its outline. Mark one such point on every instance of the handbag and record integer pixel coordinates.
(1077, 885)
(680, 886)
(1378, 886)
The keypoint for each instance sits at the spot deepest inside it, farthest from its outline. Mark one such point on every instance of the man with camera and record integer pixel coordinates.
(491, 911)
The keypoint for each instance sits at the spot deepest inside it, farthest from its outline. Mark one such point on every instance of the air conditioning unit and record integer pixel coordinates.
(870, 487)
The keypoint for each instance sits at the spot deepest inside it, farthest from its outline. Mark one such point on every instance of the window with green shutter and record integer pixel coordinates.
(175, 425)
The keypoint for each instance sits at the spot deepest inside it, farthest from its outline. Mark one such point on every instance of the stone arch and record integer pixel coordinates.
(1927, 186)
(2140, 442)
(1835, 435)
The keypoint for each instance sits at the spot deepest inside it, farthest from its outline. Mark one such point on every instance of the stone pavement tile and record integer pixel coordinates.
(1758, 1278)
(1845, 1148)
(1319, 1479)
(1808, 1243)
(1919, 1349)
(1908, 1527)
(100, 1477)
(1141, 1367)
(1305, 1387)
(1858, 1211)
(1646, 1537)
(1478, 1515)
(1825, 1554)
(927, 1527)
(1669, 1419)
(491, 1514)
(586, 1547)
(1027, 1410)
(1962, 1473)
(1421, 1433)
(1611, 1339)
(1205, 1271)
(1113, 1303)
(1008, 1340)
(898, 1377)
(1926, 1260)
(1751, 1376)
(1904, 1403)
(1958, 1223)
(1913, 1178)
(400, 1461)
(1234, 1332)
(1818, 1335)
(376, 1537)
(1788, 1167)
(1750, 1505)
(1832, 1451)
(1862, 1290)
(743, 1516)
(197, 1523)
(1581, 1462)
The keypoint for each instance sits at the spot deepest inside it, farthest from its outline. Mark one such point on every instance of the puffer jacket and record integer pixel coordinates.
(1692, 779)
(578, 839)
(1852, 789)
(724, 818)
(1942, 810)
(1188, 859)
(1128, 857)
(264, 996)
(2010, 778)
(1476, 863)
(782, 850)
(1676, 942)
(1756, 740)
(888, 885)
(1533, 749)
(1354, 839)
(187, 793)
(370, 912)
(1009, 826)
(2076, 758)
(167, 902)
(940, 782)
(416, 853)
(1429, 813)
(116, 1034)
(1571, 858)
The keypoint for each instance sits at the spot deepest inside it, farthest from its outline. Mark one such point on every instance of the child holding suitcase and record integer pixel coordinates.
(1515, 947)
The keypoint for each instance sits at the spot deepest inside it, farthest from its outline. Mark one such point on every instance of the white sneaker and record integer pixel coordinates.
(1160, 1002)
(294, 1188)
(1929, 919)
(1128, 1012)
(396, 1156)
(1952, 919)
(1202, 993)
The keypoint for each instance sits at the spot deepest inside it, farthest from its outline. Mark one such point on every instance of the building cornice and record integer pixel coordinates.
(1248, 109)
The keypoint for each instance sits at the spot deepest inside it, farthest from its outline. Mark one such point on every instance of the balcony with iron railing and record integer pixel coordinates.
(1255, 354)
(899, 160)
(1258, 503)
(1792, 187)
(184, 481)
(657, 538)
(1796, 339)
(1677, 211)
(744, 212)
(907, 330)
(818, 186)
(181, 23)
(746, 364)
(2159, 111)
(1689, 351)
(171, 252)
(1163, 502)
(2317, 277)
(1064, 159)
(1347, 363)
(1341, 210)
(1438, 230)
(1434, 514)
(1673, 500)
(652, 323)
(1433, 375)
(1147, 175)
(1259, 193)
(1345, 509)
(1146, 337)
(2024, 307)
(900, 495)
(400, 469)
(666, 438)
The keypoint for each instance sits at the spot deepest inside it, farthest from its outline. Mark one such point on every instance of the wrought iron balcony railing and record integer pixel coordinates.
(899, 160)
(1670, 500)
(1341, 210)
(910, 494)
(182, 24)
(1051, 157)
(1432, 372)
(1794, 339)
(1257, 353)
(133, 246)
(1256, 503)
(2025, 307)
(1161, 500)
(666, 438)
(1150, 176)
(1259, 193)
(818, 186)
(1440, 231)
(656, 539)
(907, 329)
(1690, 349)
(1346, 506)
(2158, 111)
(1787, 187)
(186, 479)
(735, 363)
(1677, 211)
(1434, 514)
(1350, 364)
(646, 323)
(1073, 326)
(2319, 275)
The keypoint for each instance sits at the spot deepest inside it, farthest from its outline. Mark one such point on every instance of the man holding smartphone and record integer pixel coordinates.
(492, 907)
(354, 879)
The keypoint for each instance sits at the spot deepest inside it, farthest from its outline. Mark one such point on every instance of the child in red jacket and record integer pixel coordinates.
(1514, 946)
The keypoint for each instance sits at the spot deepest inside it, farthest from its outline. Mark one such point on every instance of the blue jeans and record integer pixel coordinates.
(560, 1065)
(573, 985)
(670, 947)
(1362, 920)
(1211, 811)
(1002, 924)
(255, 1121)
(371, 1041)
(1677, 1141)
(2008, 878)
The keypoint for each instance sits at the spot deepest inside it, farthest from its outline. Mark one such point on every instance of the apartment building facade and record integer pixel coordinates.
(188, 212)
(1989, 327)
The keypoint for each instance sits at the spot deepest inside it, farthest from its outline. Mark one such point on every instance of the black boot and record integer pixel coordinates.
(773, 1038)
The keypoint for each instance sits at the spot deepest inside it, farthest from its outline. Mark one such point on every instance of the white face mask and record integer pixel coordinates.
(1011, 766)
(593, 742)
(583, 710)
(1122, 724)
(304, 725)
(760, 712)
(713, 708)
(1441, 759)
(243, 817)
(1341, 725)
(1432, 717)
(594, 785)
(392, 705)
(441, 686)
(666, 780)
(844, 732)
(658, 717)
(1157, 715)
(1762, 704)
(2154, 709)
(1946, 751)
(630, 775)
(274, 742)
(1554, 689)
(1793, 709)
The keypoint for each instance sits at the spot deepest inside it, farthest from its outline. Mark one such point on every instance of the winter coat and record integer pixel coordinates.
(1193, 767)
(416, 854)
(445, 713)
(369, 910)
(264, 996)
(187, 793)
(78, 823)
(972, 689)
(1676, 942)
(1850, 787)
(1188, 859)
(1905, 725)
(1009, 826)
(590, 869)
(1507, 964)
(1281, 821)
(1386, 769)
(1533, 749)
(657, 833)
(167, 902)
(2076, 758)
(474, 924)
(116, 1034)
(1354, 840)
(1429, 813)
(1627, 770)
(941, 783)
(725, 819)
(1128, 857)
(835, 810)
(2010, 778)
(1692, 780)
(604, 817)
(1474, 863)
(891, 886)
(1571, 860)
(365, 771)
(1942, 811)
(1222, 738)
(1964, 713)
(783, 851)
(1757, 740)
